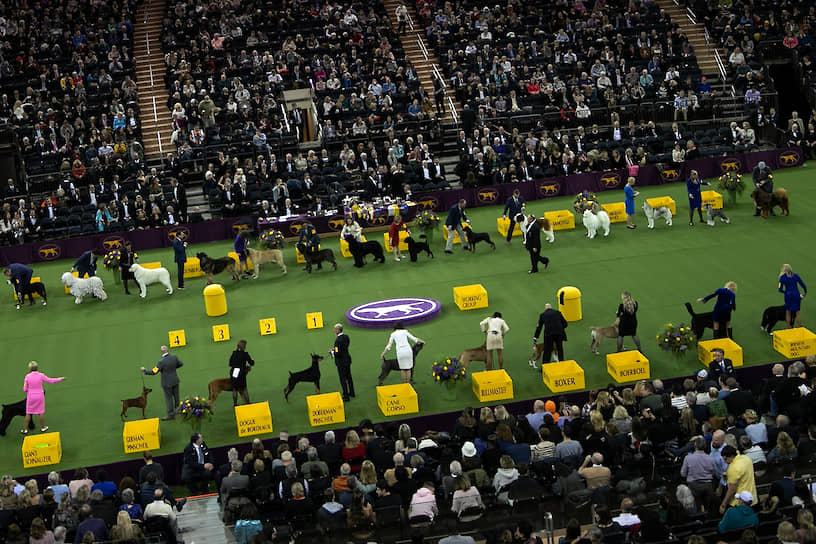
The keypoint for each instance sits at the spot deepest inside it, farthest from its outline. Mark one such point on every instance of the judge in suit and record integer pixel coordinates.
(180, 257)
(553, 324)
(86, 264)
(513, 207)
(342, 359)
(198, 468)
(454, 223)
(720, 366)
(167, 366)
(533, 245)
(125, 262)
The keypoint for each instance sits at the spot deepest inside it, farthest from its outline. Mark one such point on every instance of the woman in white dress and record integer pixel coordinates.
(494, 328)
(351, 228)
(405, 355)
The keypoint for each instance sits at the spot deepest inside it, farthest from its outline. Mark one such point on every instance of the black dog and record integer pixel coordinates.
(11, 410)
(415, 248)
(212, 266)
(474, 237)
(391, 364)
(316, 257)
(35, 287)
(360, 249)
(771, 316)
(700, 322)
(311, 374)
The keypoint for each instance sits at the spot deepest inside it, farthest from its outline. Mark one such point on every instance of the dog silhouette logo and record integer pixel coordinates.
(428, 203)
(238, 227)
(336, 224)
(182, 233)
(488, 195)
(379, 220)
(549, 189)
(610, 180)
(789, 158)
(112, 242)
(385, 313)
(730, 164)
(49, 252)
(296, 227)
(670, 174)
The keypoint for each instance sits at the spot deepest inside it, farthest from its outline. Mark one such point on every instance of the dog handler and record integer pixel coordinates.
(726, 303)
(20, 276)
(167, 366)
(629, 202)
(494, 328)
(239, 363)
(789, 286)
(35, 396)
(763, 181)
(627, 320)
(695, 198)
(405, 355)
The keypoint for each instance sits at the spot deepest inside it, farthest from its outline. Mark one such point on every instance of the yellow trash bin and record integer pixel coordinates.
(215, 300)
(569, 303)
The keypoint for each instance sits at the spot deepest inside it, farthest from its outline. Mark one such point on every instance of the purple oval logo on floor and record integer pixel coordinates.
(381, 314)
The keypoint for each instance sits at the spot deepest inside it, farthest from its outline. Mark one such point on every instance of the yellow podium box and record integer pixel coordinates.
(563, 376)
(627, 366)
(470, 297)
(616, 212)
(403, 234)
(344, 247)
(74, 274)
(235, 258)
(192, 268)
(397, 400)
(492, 385)
(41, 449)
(152, 266)
(141, 435)
(36, 279)
(298, 255)
(793, 343)
(215, 300)
(456, 239)
(732, 351)
(503, 225)
(663, 201)
(253, 419)
(325, 409)
(569, 303)
(712, 197)
(561, 219)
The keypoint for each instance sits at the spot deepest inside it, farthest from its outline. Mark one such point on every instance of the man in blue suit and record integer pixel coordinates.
(86, 264)
(180, 257)
(20, 277)
(513, 207)
(454, 223)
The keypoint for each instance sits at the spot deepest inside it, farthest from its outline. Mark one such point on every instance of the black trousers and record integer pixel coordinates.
(552, 343)
(510, 230)
(346, 381)
(535, 258)
(180, 267)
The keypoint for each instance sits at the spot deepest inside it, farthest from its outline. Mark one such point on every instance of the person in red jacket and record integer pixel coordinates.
(393, 236)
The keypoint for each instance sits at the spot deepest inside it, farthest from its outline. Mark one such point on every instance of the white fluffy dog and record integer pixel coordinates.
(652, 214)
(594, 221)
(524, 222)
(81, 287)
(146, 276)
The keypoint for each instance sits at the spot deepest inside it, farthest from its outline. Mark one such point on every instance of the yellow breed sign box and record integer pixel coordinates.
(456, 239)
(616, 212)
(793, 343)
(627, 366)
(253, 419)
(41, 449)
(561, 219)
(712, 197)
(403, 245)
(192, 268)
(325, 409)
(732, 351)
(141, 435)
(397, 400)
(503, 225)
(563, 376)
(661, 202)
(235, 258)
(492, 385)
(470, 297)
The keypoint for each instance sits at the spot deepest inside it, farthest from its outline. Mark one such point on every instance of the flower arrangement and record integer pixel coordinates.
(677, 339)
(111, 259)
(449, 371)
(272, 239)
(194, 409)
(584, 200)
(731, 182)
(427, 220)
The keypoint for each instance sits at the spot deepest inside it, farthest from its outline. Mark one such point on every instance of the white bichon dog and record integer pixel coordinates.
(81, 287)
(146, 276)
(594, 221)
(652, 214)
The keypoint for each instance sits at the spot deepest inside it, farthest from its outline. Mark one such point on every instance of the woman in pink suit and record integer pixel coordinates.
(35, 397)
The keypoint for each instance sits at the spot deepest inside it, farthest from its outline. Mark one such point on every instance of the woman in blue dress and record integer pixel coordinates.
(721, 315)
(693, 184)
(789, 285)
(629, 201)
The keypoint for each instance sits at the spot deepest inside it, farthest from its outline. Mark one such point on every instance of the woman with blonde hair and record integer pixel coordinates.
(629, 201)
(789, 286)
(368, 478)
(39, 534)
(35, 396)
(354, 451)
(622, 419)
(725, 304)
(125, 530)
(785, 449)
(627, 320)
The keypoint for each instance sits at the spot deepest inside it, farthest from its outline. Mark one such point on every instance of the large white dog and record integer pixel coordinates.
(594, 221)
(146, 276)
(652, 214)
(81, 287)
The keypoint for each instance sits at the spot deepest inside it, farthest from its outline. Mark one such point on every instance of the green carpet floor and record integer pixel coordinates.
(99, 346)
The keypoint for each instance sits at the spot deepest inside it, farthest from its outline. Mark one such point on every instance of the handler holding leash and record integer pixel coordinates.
(239, 363)
(494, 328)
(167, 366)
(20, 276)
(763, 180)
(342, 358)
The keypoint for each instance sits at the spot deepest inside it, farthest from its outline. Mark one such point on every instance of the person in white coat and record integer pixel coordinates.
(494, 328)
(405, 356)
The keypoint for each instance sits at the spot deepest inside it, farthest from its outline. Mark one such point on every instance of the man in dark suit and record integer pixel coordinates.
(553, 324)
(720, 366)
(785, 487)
(167, 365)
(533, 245)
(86, 264)
(234, 481)
(513, 207)
(180, 257)
(178, 199)
(738, 401)
(342, 359)
(454, 223)
(198, 467)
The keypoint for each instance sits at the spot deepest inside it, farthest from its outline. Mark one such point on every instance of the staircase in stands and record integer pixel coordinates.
(149, 59)
(705, 50)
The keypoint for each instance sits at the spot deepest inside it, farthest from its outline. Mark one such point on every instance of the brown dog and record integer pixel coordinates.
(218, 386)
(538, 350)
(138, 402)
(767, 201)
(212, 266)
(474, 354)
(263, 257)
(599, 333)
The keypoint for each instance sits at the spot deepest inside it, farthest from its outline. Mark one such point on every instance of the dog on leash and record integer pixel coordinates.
(146, 276)
(766, 202)
(657, 213)
(391, 364)
(473, 354)
(10, 411)
(138, 402)
(417, 247)
(317, 257)
(218, 386)
(714, 213)
(475, 237)
(263, 257)
(593, 221)
(311, 374)
(35, 288)
(211, 266)
(700, 322)
(538, 351)
(597, 335)
(82, 287)
(771, 316)
(359, 250)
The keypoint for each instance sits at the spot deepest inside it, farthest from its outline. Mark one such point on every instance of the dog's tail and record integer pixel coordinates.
(690, 309)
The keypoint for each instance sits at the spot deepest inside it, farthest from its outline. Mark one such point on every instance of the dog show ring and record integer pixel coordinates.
(470, 297)
(215, 300)
(794, 343)
(627, 366)
(492, 385)
(141, 435)
(563, 376)
(569, 303)
(384, 314)
(731, 350)
(397, 400)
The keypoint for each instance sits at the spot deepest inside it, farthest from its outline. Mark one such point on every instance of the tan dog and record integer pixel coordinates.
(599, 333)
(218, 386)
(263, 257)
(474, 354)
(538, 350)
(138, 402)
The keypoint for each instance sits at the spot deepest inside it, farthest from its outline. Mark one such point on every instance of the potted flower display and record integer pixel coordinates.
(676, 339)
(111, 262)
(732, 183)
(272, 239)
(448, 372)
(193, 410)
(583, 201)
(427, 222)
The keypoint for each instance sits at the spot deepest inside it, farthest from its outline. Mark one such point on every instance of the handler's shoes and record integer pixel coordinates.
(45, 303)
(532, 364)
(18, 306)
(43, 429)
(23, 431)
